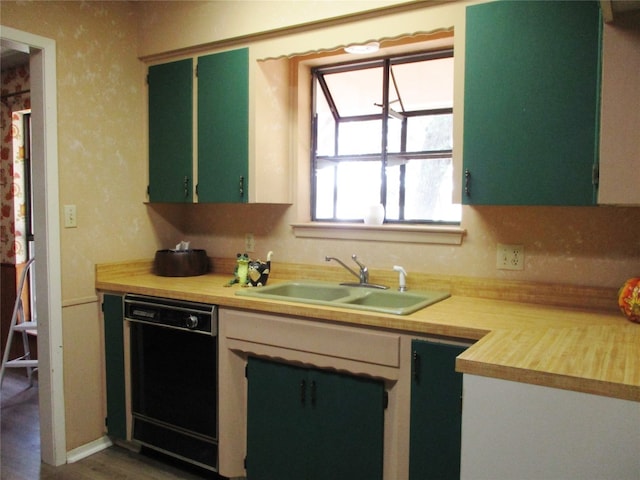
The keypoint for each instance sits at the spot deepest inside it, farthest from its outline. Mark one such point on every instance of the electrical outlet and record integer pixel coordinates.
(249, 242)
(70, 219)
(510, 257)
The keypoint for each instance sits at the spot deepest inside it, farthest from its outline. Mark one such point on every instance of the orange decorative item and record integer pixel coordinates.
(629, 299)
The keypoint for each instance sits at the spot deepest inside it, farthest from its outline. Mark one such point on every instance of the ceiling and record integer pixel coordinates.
(12, 54)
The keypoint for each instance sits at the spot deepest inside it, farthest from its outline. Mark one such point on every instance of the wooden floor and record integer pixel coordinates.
(20, 447)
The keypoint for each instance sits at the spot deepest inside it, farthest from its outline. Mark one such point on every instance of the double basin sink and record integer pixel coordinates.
(346, 296)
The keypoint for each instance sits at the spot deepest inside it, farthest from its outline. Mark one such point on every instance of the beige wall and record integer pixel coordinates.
(103, 171)
(186, 24)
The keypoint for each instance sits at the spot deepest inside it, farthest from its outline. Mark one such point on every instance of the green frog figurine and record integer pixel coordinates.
(241, 272)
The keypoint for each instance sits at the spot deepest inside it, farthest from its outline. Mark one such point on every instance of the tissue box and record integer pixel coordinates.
(180, 263)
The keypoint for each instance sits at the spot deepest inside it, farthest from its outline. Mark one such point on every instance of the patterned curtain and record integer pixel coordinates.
(16, 101)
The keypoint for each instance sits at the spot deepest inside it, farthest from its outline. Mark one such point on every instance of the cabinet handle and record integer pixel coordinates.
(241, 187)
(303, 392)
(186, 187)
(467, 182)
(313, 393)
(416, 366)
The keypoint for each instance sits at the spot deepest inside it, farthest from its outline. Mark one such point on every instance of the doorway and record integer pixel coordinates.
(16, 227)
(46, 217)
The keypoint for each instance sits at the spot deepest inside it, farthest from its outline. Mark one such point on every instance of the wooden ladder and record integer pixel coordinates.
(18, 324)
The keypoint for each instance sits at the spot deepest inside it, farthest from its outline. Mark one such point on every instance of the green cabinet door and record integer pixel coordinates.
(307, 424)
(223, 127)
(436, 412)
(347, 421)
(531, 108)
(113, 312)
(170, 93)
(276, 439)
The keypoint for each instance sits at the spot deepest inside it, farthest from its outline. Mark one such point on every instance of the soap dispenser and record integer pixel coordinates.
(402, 278)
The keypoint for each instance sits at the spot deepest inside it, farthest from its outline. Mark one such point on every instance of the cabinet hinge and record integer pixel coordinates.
(197, 189)
(106, 421)
(385, 400)
(245, 463)
(148, 190)
(595, 175)
(246, 371)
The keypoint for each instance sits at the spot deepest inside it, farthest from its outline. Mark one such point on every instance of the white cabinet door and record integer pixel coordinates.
(514, 430)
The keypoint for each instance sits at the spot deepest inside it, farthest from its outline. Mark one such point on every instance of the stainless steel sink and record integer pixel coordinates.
(359, 298)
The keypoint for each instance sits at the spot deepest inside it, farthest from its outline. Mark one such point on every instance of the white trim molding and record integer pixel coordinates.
(88, 449)
(428, 234)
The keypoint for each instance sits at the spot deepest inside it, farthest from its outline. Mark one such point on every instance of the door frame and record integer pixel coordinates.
(46, 216)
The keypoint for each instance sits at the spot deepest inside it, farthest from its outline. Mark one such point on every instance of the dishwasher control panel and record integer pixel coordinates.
(183, 315)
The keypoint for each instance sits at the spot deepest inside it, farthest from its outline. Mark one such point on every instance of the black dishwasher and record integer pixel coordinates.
(174, 399)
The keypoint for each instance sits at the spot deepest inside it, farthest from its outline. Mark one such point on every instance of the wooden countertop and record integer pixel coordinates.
(580, 349)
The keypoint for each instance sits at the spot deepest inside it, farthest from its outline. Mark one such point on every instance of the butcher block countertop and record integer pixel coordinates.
(525, 332)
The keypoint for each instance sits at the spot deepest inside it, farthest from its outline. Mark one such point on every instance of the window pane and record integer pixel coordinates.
(394, 135)
(360, 137)
(428, 133)
(429, 187)
(424, 133)
(325, 184)
(326, 125)
(392, 208)
(356, 92)
(358, 187)
(424, 85)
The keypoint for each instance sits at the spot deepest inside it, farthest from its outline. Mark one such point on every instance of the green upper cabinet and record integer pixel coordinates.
(171, 132)
(223, 127)
(531, 108)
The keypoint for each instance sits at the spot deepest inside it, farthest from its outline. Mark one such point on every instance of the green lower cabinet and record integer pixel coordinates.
(306, 424)
(113, 312)
(436, 412)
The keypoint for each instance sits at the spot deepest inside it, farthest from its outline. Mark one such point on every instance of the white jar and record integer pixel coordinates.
(374, 214)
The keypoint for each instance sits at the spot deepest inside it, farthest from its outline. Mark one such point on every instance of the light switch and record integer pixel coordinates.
(70, 219)
(249, 242)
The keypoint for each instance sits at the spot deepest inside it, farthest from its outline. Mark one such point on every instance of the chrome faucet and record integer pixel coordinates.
(362, 276)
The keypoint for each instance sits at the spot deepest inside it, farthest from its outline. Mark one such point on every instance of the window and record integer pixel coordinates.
(382, 133)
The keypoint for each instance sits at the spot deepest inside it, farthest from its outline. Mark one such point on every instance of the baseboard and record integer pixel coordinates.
(88, 449)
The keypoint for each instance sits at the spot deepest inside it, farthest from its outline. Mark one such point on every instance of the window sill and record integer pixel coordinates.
(447, 235)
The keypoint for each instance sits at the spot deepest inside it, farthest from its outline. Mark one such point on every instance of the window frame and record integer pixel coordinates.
(386, 62)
